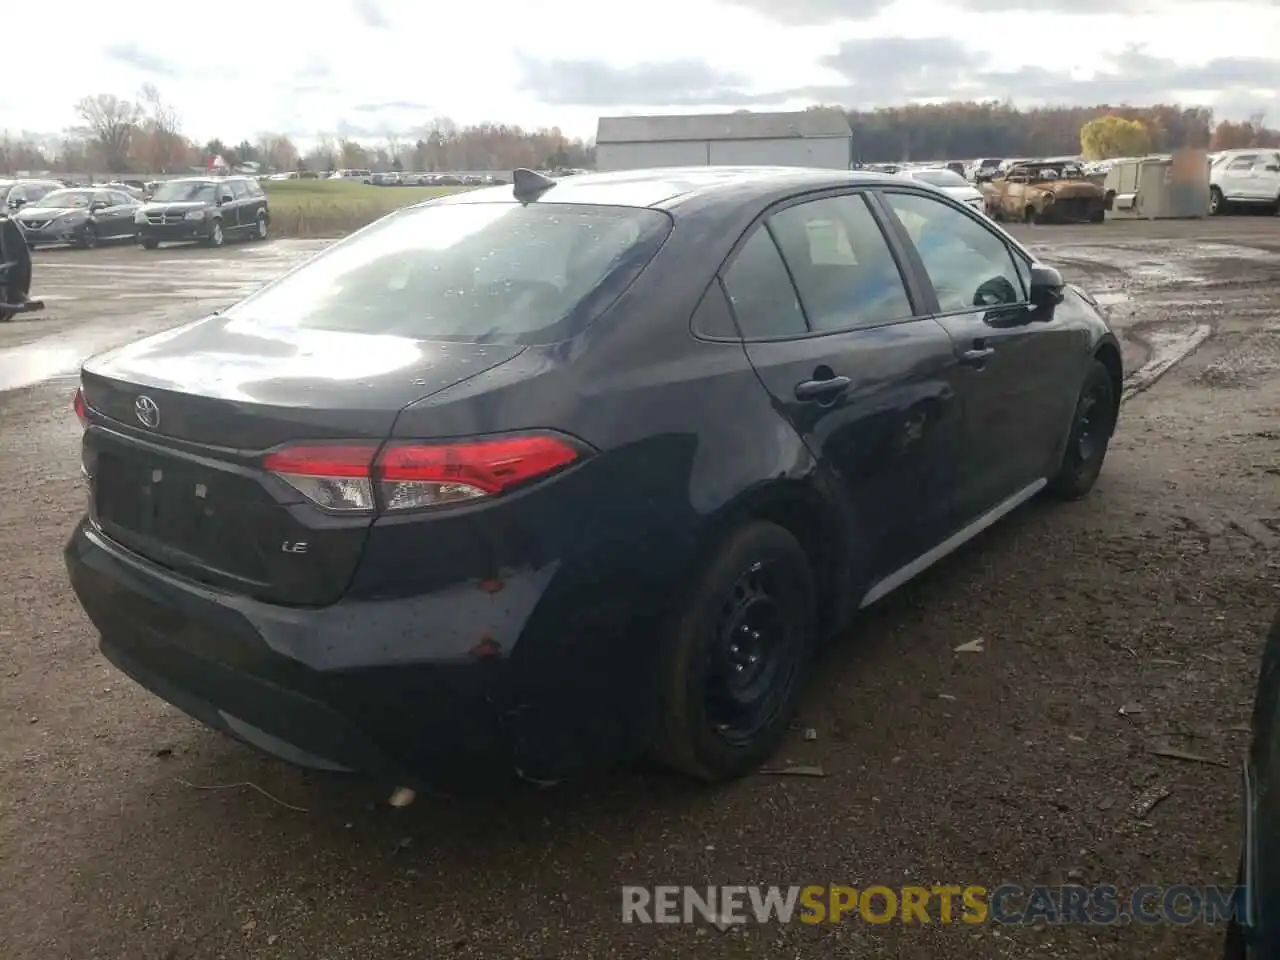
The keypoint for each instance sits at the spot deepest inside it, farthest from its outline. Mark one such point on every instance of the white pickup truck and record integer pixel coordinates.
(1249, 177)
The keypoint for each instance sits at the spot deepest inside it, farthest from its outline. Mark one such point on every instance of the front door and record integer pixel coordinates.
(1019, 383)
(230, 208)
(1237, 177)
(120, 215)
(864, 377)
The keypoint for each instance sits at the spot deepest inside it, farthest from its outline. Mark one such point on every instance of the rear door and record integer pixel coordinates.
(244, 203)
(836, 334)
(255, 203)
(1020, 366)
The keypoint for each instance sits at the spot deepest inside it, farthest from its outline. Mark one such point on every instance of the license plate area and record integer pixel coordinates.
(169, 509)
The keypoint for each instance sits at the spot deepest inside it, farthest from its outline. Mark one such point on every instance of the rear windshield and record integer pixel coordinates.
(472, 272)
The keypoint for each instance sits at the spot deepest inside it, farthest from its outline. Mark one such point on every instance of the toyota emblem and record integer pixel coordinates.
(147, 412)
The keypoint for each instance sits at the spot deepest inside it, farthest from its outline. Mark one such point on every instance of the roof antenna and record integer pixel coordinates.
(529, 184)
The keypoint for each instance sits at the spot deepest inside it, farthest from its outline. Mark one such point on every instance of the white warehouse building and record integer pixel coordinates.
(810, 138)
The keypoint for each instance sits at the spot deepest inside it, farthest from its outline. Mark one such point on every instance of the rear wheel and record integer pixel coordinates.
(150, 244)
(260, 231)
(1091, 431)
(734, 660)
(1099, 216)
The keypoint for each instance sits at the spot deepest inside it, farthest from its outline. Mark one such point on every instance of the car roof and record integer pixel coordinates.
(208, 179)
(672, 187)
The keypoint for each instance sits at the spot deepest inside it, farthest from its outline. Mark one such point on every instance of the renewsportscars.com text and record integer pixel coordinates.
(938, 904)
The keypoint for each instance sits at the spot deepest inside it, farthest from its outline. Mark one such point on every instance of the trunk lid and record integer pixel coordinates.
(179, 423)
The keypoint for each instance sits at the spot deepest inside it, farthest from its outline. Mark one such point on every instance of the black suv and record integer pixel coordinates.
(206, 209)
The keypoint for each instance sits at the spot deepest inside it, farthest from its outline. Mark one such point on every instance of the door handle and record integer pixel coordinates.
(827, 389)
(977, 355)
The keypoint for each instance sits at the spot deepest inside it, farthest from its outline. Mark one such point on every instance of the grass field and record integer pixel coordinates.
(333, 208)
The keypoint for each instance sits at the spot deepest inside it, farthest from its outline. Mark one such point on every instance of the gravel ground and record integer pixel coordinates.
(127, 831)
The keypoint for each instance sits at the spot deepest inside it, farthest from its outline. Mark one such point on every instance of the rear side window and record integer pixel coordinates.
(239, 189)
(760, 291)
(1242, 163)
(712, 319)
(841, 263)
(470, 272)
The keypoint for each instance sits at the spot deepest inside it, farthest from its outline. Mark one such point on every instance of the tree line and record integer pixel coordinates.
(965, 130)
(144, 135)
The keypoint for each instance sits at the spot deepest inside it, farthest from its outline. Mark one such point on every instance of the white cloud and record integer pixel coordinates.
(395, 64)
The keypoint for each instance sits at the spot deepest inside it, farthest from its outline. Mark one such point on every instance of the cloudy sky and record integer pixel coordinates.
(366, 67)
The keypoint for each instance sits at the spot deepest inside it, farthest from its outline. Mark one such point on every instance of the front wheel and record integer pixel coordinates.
(1091, 430)
(89, 239)
(216, 236)
(150, 244)
(735, 657)
(1217, 203)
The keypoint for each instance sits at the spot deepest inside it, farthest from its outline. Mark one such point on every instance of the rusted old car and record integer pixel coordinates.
(1039, 192)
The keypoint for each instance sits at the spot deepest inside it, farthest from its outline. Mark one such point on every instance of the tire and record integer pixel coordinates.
(1091, 429)
(260, 231)
(216, 236)
(89, 239)
(150, 244)
(1217, 204)
(1099, 217)
(725, 705)
(1029, 215)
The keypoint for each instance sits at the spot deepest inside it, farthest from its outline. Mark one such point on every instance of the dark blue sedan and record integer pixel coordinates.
(560, 473)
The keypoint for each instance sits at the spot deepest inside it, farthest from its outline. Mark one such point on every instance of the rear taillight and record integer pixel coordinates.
(81, 409)
(356, 478)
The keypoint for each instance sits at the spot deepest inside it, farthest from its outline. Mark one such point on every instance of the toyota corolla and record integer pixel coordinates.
(561, 473)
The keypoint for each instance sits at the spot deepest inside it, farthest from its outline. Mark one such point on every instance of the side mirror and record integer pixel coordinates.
(226, 198)
(98, 205)
(1047, 286)
(18, 202)
(1273, 167)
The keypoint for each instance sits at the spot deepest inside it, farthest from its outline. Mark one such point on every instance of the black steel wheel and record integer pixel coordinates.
(1091, 429)
(733, 666)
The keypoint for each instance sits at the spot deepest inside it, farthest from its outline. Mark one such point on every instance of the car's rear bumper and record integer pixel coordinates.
(388, 688)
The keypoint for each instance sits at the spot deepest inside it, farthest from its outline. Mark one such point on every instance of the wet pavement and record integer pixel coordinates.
(97, 299)
(1127, 622)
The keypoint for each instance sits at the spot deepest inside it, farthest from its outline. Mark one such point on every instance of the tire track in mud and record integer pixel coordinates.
(1166, 298)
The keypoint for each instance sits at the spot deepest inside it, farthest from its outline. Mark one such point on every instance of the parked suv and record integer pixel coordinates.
(1245, 178)
(205, 209)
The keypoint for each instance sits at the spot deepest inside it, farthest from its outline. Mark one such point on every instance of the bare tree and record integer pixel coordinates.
(165, 145)
(111, 124)
(395, 152)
